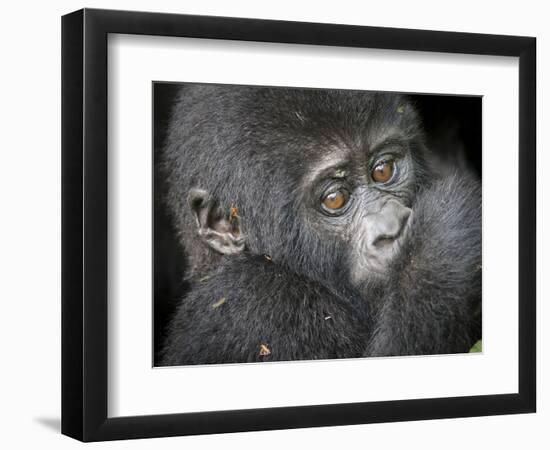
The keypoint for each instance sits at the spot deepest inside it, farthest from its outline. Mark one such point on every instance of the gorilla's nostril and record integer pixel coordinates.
(387, 239)
(383, 240)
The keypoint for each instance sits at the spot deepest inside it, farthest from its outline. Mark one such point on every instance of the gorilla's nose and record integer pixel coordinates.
(385, 227)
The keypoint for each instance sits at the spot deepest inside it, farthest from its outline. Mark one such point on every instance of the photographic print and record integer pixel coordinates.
(313, 224)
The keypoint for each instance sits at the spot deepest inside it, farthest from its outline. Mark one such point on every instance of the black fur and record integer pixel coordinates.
(248, 301)
(294, 289)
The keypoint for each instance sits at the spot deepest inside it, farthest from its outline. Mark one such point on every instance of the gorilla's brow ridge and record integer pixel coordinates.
(329, 163)
(333, 161)
(387, 140)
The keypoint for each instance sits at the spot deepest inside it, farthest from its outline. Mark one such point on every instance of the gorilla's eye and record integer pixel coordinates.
(334, 201)
(382, 171)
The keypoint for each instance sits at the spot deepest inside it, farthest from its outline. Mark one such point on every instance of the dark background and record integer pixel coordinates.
(453, 130)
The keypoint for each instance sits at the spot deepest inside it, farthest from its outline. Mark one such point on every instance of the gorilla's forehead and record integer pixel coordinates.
(327, 109)
(319, 128)
(236, 132)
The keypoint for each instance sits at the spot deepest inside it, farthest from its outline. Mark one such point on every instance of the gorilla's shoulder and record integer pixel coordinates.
(256, 277)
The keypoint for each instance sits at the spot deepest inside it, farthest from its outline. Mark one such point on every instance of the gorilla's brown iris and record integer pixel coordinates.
(382, 172)
(334, 200)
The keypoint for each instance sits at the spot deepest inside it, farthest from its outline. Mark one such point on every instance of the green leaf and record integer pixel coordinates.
(476, 348)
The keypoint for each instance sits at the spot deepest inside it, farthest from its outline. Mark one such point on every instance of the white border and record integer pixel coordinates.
(135, 388)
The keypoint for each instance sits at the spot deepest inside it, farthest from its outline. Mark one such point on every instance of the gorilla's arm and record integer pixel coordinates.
(250, 306)
(433, 302)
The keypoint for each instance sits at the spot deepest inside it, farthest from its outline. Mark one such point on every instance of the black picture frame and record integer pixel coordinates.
(84, 224)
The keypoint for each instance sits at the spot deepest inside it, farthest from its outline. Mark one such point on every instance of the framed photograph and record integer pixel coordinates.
(273, 224)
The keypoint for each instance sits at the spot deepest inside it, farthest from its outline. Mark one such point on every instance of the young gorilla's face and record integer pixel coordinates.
(363, 199)
(356, 196)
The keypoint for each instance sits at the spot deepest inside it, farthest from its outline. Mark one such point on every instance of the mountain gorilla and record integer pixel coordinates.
(316, 226)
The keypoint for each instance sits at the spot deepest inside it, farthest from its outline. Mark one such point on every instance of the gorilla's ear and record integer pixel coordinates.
(218, 228)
